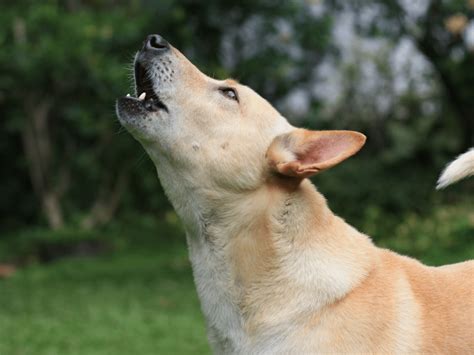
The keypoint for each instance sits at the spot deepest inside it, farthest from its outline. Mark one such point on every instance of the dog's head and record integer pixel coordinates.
(218, 134)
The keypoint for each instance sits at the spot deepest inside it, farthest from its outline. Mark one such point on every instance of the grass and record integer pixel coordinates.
(140, 297)
(137, 300)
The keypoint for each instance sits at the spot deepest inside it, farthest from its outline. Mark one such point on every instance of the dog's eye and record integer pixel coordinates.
(229, 93)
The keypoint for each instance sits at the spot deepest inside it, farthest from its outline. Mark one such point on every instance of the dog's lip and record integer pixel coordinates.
(146, 95)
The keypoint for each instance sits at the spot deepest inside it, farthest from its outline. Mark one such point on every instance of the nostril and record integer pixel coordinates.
(156, 42)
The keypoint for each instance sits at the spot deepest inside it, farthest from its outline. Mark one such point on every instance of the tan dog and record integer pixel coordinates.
(276, 271)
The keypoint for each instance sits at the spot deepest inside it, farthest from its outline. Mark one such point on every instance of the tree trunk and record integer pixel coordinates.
(437, 54)
(38, 151)
(463, 109)
(107, 202)
(38, 148)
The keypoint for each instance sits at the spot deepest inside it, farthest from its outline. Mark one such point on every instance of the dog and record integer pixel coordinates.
(276, 271)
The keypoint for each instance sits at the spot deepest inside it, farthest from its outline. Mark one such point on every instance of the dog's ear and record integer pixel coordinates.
(302, 153)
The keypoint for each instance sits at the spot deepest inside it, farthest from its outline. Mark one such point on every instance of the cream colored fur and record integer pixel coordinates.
(276, 271)
(461, 167)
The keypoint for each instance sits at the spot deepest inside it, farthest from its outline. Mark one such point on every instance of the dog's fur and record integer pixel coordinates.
(276, 271)
(460, 168)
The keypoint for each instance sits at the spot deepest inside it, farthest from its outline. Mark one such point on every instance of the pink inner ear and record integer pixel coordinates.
(324, 149)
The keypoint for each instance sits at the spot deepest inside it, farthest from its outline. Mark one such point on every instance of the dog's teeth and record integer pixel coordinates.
(128, 95)
(142, 96)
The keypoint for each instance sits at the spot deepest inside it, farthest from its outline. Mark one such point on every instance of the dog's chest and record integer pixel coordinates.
(214, 288)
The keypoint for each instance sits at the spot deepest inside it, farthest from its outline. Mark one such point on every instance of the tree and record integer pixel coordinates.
(439, 30)
(61, 69)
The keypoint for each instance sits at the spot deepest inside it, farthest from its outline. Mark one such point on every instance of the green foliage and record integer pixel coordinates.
(74, 64)
(444, 236)
(64, 64)
(439, 32)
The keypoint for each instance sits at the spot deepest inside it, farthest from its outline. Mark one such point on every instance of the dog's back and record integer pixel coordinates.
(446, 294)
(460, 168)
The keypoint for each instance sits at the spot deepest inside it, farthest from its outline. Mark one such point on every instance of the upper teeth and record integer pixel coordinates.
(142, 96)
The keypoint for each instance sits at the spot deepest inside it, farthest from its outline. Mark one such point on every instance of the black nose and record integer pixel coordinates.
(156, 44)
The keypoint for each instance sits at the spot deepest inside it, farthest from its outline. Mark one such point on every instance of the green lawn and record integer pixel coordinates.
(138, 300)
(140, 297)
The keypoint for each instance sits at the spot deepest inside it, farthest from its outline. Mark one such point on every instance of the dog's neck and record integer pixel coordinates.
(268, 256)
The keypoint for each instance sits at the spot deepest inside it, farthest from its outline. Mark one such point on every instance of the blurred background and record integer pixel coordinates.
(93, 259)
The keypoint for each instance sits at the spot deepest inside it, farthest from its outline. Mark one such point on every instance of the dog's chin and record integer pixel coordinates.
(135, 119)
(141, 106)
(135, 113)
(128, 108)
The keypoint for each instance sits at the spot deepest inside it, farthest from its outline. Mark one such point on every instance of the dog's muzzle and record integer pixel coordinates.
(146, 99)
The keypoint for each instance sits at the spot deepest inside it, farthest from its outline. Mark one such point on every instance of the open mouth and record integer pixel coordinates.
(146, 96)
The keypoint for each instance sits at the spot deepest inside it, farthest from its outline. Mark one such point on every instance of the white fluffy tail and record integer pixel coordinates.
(460, 168)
